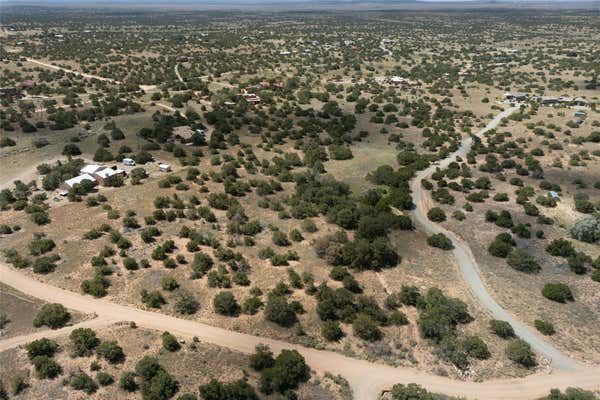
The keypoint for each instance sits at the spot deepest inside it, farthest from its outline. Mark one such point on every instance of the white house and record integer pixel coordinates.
(69, 183)
(164, 167)
(107, 173)
(396, 80)
(91, 169)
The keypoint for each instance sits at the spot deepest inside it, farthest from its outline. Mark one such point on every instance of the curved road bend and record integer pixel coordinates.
(366, 379)
(177, 73)
(468, 265)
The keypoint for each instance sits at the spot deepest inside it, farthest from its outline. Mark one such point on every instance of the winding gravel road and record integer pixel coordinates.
(366, 379)
(177, 73)
(468, 265)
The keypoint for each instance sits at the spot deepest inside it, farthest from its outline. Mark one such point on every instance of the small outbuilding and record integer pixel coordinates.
(28, 84)
(9, 90)
(515, 96)
(164, 167)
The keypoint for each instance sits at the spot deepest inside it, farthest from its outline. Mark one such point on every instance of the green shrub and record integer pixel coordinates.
(215, 390)
(96, 286)
(185, 302)
(452, 351)
(474, 346)
(41, 245)
(558, 292)
(169, 342)
(7, 142)
(412, 391)
(436, 214)
(545, 327)
(169, 283)
(84, 340)
(160, 386)
(340, 152)
(41, 347)
(280, 239)
(153, 299)
(409, 295)
(502, 329)
(440, 241)
(587, 229)
(365, 327)
(44, 265)
(331, 331)
(53, 315)
(398, 318)
(251, 305)
(560, 248)
(520, 352)
(500, 248)
(127, 381)
(46, 367)
(83, 382)
(130, 263)
(459, 215)
(570, 394)
(17, 385)
(225, 303)
(262, 358)
(308, 225)
(439, 315)
(111, 351)
(278, 310)
(523, 261)
(104, 378)
(287, 372)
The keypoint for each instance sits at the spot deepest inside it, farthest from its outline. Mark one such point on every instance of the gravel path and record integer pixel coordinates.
(468, 265)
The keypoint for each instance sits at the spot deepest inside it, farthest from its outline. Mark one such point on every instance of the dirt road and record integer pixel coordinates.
(468, 265)
(366, 379)
(89, 76)
(177, 73)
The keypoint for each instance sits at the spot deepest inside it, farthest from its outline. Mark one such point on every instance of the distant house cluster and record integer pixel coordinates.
(18, 89)
(570, 101)
(184, 134)
(184, 58)
(398, 81)
(547, 100)
(251, 97)
(97, 174)
(516, 96)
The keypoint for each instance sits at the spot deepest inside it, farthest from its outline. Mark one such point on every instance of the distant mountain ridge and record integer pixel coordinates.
(348, 5)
